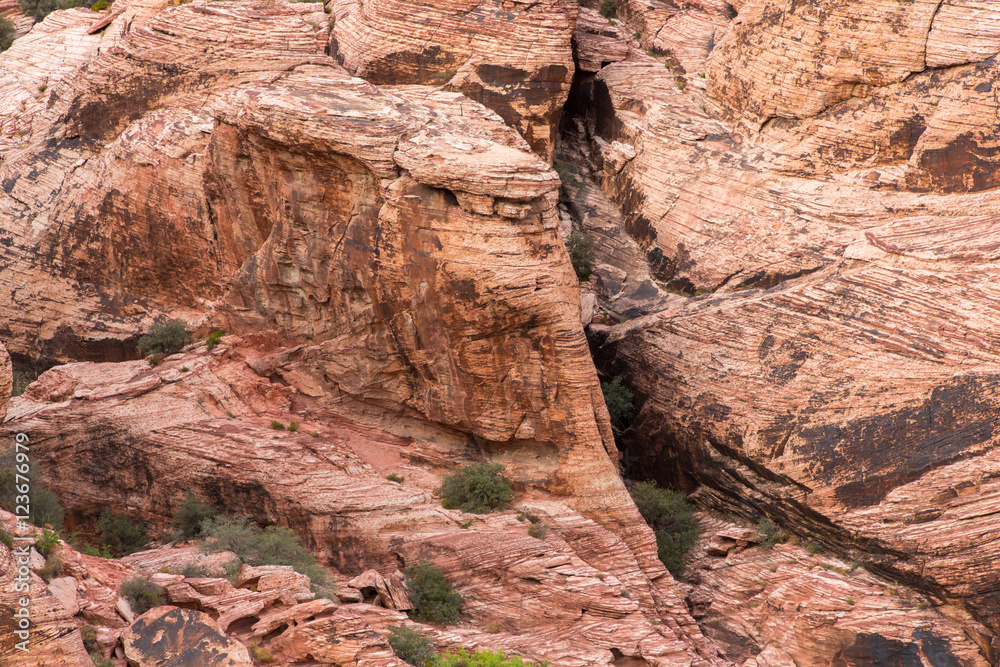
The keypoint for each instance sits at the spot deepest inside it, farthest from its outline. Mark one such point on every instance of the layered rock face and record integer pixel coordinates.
(514, 58)
(833, 187)
(785, 605)
(391, 259)
(137, 439)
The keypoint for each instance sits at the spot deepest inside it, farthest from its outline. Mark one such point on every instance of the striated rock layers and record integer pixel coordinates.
(513, 57)
(831, 181)
(137, 439)
(389, 257)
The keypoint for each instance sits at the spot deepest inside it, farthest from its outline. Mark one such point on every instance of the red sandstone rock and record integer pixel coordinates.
(796, 608)
(834, 378)
(514, 58)
(345, 508)
(167, 635)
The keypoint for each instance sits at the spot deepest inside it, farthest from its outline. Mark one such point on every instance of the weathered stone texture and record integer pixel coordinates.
(514, 59)
(841, 376)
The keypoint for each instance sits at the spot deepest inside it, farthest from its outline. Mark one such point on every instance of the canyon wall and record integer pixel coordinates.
(827, 179)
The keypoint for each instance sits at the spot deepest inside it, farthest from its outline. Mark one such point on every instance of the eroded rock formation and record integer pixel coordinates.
(513, 57)
(834, 189)
(138, 438)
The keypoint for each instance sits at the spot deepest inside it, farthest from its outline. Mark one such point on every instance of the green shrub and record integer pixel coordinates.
(411, 646)
(620, 402)
(768, 533)
(141, 593)
(100, 5)
(478, 488)
(6, 538)
(672, 519)
(88, 634)
(480, 659)
(393, 477)
(46, 510)
(581, 253)
(609, 8)
(53, 567)
(194, 571)
(88, 549)
(165, 338)
(434, 600)
(100, 661)
(44, 507)
(538, 530)
(7, 32)
(274, 545)
(191, 515)
(277, 426)
(293, 426)
(120, 535)
(22, 378)
(47, 543)
(566, 170)
(214, 338)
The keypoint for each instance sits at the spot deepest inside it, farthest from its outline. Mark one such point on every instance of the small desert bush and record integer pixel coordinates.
(44, 508)
(47, 543)
(477, 488)
(141, 593)
(768, 533)
(261, 655)
(213, 339)
(393, 477)
(53, 567)
(191, 515)
(581, 253)
(100, 5)
(7, 32)
(620, 401)
(119, 534)
(253, 545)
(672, 519)
(434, 600)
(88, 634)
(22, 377)
(194, 571)
(609, 8)
(100, 661)
(411, 646)
(165, 338)
(538, 530)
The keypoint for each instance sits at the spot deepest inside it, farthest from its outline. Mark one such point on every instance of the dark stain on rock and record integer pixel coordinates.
(967, 164)
(872, 649)
(432, 66)
(936, 649)
(879, 453)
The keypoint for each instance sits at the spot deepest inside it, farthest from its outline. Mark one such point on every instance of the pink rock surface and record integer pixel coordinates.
(512, 57)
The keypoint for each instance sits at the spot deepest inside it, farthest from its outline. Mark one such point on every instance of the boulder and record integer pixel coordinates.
(171, 637)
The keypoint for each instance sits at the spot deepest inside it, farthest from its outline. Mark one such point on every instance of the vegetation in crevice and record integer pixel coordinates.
(671, 516)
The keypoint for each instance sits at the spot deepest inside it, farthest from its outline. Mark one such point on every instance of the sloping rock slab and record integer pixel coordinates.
(172, 637)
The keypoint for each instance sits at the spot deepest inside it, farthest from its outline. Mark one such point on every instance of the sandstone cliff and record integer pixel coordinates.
(363, 199)
(390, 257)
(832, 187)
